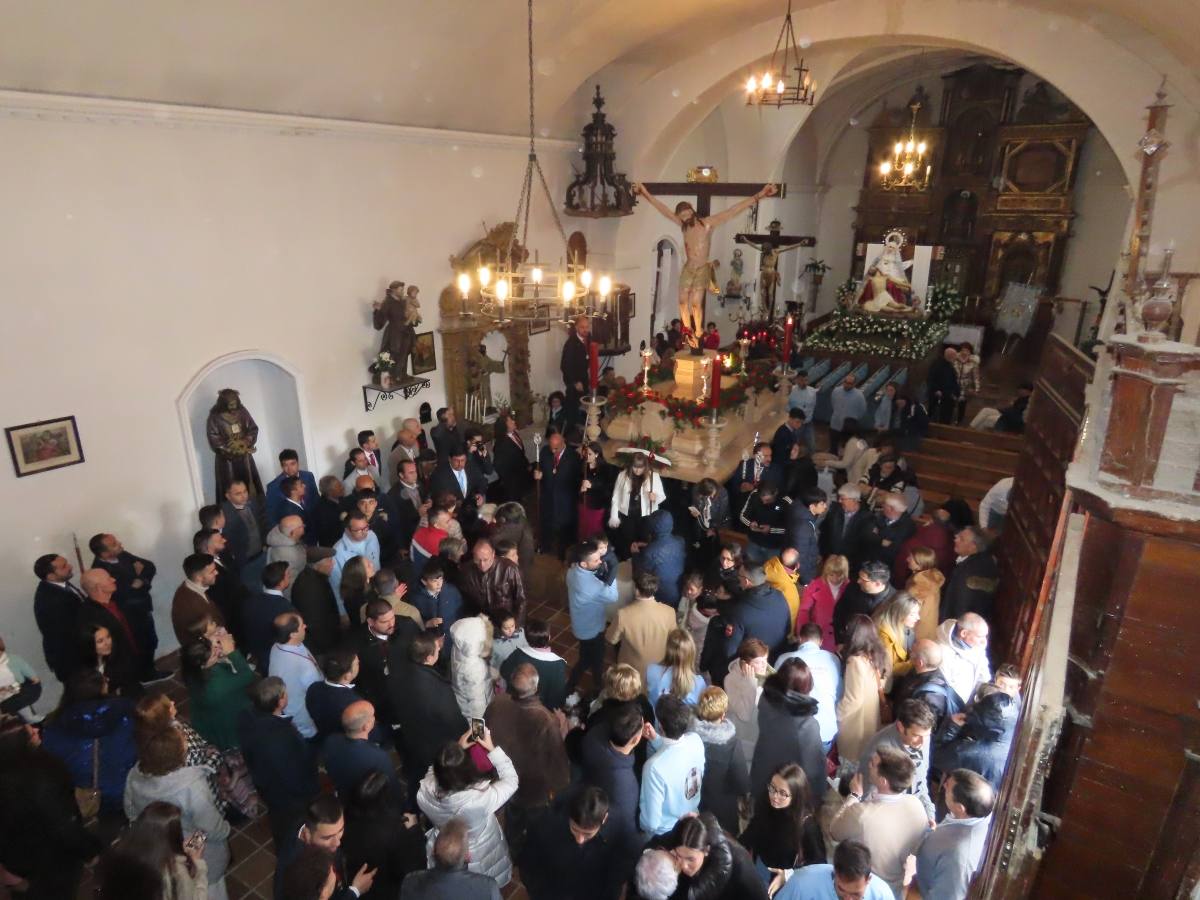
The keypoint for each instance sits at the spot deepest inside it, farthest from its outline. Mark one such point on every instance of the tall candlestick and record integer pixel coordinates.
(646, 371)
(593, 366)
(714, 396)
(787, 342)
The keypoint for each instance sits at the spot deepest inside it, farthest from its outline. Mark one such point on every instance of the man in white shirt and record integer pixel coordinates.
(964, 653)
(847, 402)
(356, 467)
(358, 540)
(804, 397)
(994, 505)
(292, 661)
(826, 671)
(672, 777)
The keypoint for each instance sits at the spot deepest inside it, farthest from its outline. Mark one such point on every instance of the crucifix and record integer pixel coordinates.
(772, 245)
(697, 223)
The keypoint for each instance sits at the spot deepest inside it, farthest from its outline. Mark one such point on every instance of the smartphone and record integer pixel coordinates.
(196, 840)
(695, 512)
(477, 726)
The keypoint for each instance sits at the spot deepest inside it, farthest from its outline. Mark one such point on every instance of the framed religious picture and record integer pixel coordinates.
(41, 446)
(424, 358)
(539, 326)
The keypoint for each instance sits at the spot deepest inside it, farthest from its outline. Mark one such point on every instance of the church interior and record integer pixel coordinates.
(360, 215)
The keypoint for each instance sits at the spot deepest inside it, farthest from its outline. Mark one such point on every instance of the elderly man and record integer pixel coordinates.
(448, 876)
(973, 581)
(559, 475)
(847, 402)
(928, 683)
(964, 644)
(533, 738)
(760, 612)
(490, 584)
(351, 755)
(911, 734)
(950, 855)
(358, 540)
(276, 499)
(407, 445)
(783, 573)
(894, 527)
(285, 543)
(388, 587)
(56, 607)
(292, 661)
(943, 387)
(848, 529)
(327, 515)
(134, 576)
(100, 608)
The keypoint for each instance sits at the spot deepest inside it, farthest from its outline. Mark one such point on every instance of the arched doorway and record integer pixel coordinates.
(663, 304)
(270, 391)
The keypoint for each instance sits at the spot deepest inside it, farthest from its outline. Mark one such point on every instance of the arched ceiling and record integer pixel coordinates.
(453, 64)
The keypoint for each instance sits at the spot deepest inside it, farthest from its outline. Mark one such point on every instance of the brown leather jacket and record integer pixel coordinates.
(500, 587)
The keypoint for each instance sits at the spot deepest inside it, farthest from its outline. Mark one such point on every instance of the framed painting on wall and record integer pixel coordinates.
(424, 358)
(41, 446)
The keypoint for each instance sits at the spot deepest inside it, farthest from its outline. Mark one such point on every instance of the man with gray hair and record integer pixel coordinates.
(848, 530)
(292, 661)
(894, 526)
(656, 875)
(964, 644)
(285, 542)
(448, 878)
(928, 683)
(950, 855)
(761, 612)
(352, 755)
(388, 587)
(972, 584)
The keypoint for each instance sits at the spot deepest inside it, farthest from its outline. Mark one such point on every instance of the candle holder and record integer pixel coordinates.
(595, 407)
(646, 354)
(744, 344)
(712, 450)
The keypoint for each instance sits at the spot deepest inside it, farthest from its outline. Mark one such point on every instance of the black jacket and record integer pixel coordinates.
(258, 619)
(774, 515)
(443, 480)
(725, 779)
(942, 379)
(235, 531)
(449, 884)
(444, 438)
(128, 597)
(933, 688)
(282, 764)
(574, 363)
(761, 612)
(788, 733)
(970, 588)
(895, 533)
(348, 762)
(858, 542)
(231, 598)
(378, 838)
(122, 665)
(57, 612)
(380, 661)
(327, 518)
(559, 490)
(555, 867)
(728, 873)
(427, 712)
(854, 602)
(512, 467)
(614, 773)
(312, 595)
(326, 703)
(770, 838)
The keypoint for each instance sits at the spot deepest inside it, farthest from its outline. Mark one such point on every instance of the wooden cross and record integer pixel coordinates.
(704, 191)
(775, 241)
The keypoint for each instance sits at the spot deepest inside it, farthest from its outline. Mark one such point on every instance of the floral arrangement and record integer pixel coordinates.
(846, 292)
(658, 448)
(623, 400)
(382, 363)
(943, 302)
(902, 338)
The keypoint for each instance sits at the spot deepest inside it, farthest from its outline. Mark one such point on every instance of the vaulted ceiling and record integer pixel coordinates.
(456, 64)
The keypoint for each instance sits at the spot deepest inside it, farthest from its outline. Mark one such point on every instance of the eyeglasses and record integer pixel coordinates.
(776, 792)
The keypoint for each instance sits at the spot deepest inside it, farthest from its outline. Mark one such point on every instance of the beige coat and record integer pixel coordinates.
(641, 628)
(927, 588)
(858, 710)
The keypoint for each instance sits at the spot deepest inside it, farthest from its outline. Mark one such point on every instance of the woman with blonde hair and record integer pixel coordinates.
(926, 585)
(726, 775)
(676, 674)
(859, 712)
(821, 596)
(896, 620)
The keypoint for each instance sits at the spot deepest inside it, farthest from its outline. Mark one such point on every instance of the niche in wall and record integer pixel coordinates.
(270, 391)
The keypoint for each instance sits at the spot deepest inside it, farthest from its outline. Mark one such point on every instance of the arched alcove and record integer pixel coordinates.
(271, 391)
(665, 263)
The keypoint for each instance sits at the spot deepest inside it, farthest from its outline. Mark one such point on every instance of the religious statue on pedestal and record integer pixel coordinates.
(886, 287)
(233, 436)
(480, 368)
(397, 315)
(697, 275)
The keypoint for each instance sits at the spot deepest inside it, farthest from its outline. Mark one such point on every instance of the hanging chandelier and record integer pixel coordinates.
(909, 168)
(773, 88)
(525, 289)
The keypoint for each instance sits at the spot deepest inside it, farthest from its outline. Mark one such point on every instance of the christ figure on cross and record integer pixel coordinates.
(697, 275)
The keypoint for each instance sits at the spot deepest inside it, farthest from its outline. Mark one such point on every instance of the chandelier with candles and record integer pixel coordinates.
(525, 289)
(909, 168)
(774, 88)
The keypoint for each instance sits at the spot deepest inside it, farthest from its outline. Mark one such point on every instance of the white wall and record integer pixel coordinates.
(139, 244)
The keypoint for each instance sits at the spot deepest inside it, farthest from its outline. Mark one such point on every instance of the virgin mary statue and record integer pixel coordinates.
(886, 287)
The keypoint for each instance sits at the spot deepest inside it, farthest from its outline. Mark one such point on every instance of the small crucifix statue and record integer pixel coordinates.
(697, 225)
(771, 245)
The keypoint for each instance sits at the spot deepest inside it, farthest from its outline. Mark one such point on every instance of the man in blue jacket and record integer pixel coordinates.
(289, 466)
(352, 755)
(665, 556)
(589, 598)
(761, 612)
(803, 532)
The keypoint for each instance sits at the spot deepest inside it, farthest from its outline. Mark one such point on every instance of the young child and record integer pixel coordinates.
(19, 686)
(506, 638)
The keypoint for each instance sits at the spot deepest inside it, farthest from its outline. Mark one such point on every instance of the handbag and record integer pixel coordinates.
(886, 715)
(88, 798)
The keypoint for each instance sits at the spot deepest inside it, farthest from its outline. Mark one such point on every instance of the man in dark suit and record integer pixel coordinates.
(282, 764)
(259, 615)
(319, 841)
(409, 499)
(511, 461)
(445, 433)
(871, 589)
(245, 532)
(227, 591)
(559, 474)
(849, 529)
(787, 435)
(289, 465)
(973, 581)
(327, 700)
(427, 711)
(381, 644)
(894, 526)
(313, 597)
(100, 608)
(449, 878)
(133, 576)
(465, 483)
(574, 366)
(943, 387)
(350, 754)
(56, 605)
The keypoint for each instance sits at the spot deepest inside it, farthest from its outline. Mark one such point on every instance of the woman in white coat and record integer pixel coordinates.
(471, 674)
(454, 789)
(638, 492)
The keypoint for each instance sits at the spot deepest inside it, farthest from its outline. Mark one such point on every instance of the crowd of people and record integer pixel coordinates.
(798, 711)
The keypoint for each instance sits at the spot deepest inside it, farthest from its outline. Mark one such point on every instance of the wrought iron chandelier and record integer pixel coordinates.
(774, 88)
(909, 168)
(524, 289)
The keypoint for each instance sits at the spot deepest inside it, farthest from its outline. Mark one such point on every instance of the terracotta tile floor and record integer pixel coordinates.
(253, 859)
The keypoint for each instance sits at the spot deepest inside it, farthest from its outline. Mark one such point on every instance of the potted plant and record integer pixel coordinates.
(817, 269)
(382, 367)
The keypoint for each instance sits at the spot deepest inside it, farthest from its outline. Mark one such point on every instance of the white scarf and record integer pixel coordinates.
(651, 484)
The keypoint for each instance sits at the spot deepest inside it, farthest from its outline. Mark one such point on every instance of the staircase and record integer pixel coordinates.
(961, 462)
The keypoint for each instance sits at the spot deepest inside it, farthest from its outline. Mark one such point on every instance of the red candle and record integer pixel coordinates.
(593, 366)
(787, 341)
(714, 394)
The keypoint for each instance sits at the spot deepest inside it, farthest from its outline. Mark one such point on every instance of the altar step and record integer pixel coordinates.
(997, 439)
(961, 462)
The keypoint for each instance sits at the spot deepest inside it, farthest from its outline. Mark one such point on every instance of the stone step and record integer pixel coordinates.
(992, 439)
(955, 486)
(937, 449)
(967, 466)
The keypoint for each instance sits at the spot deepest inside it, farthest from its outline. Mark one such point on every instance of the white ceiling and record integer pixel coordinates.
(448, 64)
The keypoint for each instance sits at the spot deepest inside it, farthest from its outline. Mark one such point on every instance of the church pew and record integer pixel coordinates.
(994, 439)
(824, 406)
(872, 388)
(817, 370)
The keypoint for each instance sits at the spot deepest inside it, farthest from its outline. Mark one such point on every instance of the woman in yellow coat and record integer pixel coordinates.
(858, 710)
(926, 585)
(896, 620)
